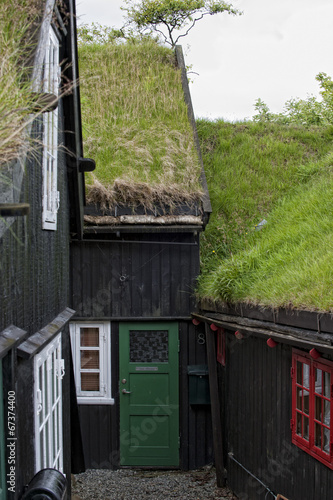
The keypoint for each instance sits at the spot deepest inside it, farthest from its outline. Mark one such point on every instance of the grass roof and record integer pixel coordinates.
(17, 43)
(282, 175)
(135, 125)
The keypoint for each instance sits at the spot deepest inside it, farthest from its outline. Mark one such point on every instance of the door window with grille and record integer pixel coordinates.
(49, 372)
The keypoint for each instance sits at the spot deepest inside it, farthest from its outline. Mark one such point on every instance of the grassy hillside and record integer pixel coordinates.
(135, 123)
(283, 175)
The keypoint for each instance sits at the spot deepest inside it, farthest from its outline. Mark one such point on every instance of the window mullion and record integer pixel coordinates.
(311, 405)
(331, 416)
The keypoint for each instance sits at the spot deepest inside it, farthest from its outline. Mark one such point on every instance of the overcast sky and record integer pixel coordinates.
(273, 51)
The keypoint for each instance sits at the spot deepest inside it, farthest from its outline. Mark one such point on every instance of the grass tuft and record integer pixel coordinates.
(17, 31)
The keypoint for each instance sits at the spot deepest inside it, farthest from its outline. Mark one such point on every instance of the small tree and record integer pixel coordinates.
(172, 15)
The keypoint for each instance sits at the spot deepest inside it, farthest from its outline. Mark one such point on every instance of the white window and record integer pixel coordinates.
(49, 371)
(50, 137)
(91, 347)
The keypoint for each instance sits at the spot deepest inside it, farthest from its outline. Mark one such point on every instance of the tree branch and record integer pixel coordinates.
(192, 25)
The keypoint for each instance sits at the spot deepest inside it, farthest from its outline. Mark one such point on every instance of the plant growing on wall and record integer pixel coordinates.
(171, 19)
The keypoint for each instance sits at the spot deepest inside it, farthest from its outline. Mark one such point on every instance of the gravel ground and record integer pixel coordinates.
(129, 484)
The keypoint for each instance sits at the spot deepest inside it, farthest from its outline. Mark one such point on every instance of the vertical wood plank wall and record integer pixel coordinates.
(255, 389)
(34, 270)
(34, 289)
(112, 279)
(117, 281)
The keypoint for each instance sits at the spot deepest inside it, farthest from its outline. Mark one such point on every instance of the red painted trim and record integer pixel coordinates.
(310, 384)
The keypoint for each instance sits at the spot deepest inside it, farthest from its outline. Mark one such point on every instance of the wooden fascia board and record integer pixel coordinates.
(73, 128)
(187, 96)
(36, 342)
(291, 336)
(130, 229)
(315, 321)
(10, 338)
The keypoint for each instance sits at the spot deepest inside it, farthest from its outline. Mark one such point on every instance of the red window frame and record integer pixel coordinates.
(312, 406)
(220, 340)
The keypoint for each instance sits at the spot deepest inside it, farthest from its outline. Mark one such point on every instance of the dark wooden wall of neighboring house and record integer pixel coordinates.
(118, 281)
(255, 391)
(34, 289)
(34, 270)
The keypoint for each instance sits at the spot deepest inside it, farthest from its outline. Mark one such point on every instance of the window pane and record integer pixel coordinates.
(302, 426)
(90, 382)
(90, 359)
(318, 380)
(299, 424)
(306, 402)
(318, 412)
(299, 399)
(326, 436)
(306, 375)
(89, 337)
(327, 384)
(306, 428)
(149, 346)
(318, 435)
(327, 413)
(41, 448)
(299, 373)
(47, 442)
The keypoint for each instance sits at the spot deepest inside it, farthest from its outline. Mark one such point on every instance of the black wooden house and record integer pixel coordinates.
(133, 278)
(271, 383)
(42, 198)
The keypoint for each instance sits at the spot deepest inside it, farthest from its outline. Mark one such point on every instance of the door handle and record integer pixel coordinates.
(126, 392)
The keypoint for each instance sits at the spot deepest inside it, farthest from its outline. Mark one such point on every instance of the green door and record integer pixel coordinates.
(148, 383)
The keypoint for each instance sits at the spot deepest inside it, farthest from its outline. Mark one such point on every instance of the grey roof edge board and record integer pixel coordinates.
(38, 340)
(10, 338)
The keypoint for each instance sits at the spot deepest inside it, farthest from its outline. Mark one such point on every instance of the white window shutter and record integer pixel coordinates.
(51, 195)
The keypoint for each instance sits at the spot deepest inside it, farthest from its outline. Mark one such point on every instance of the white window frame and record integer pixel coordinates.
(51, 80)
(49, 370)
(103, 396)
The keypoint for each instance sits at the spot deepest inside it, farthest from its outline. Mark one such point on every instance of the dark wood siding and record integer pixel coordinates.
(195, 421)
(115, 279)
(34, 289)
(34, 270)
(256, 408)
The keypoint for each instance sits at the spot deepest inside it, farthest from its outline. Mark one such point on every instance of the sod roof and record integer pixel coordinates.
(269, 241)
(136, 126)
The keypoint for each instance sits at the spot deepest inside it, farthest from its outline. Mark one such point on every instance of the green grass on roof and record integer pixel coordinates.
(135, 121)
(17, 29)
(282, 174)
